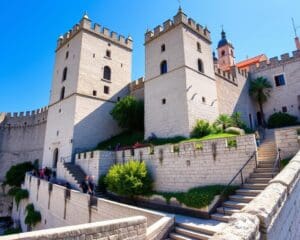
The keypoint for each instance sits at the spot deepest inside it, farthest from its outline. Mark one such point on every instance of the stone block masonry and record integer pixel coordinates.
(187, 165)
(288, 141)
(133, 228)
(21, 138)
(274, 214)
(62, 207)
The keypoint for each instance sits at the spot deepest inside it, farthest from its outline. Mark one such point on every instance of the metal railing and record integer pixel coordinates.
(239, 173)
(277, 163)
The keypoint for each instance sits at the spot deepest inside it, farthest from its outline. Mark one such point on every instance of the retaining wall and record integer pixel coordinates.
(61, 207)
(133, 228)
(274, 214)
(288, 140)
(187, 165)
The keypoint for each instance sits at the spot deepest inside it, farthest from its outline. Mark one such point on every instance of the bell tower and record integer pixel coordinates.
(225, 52)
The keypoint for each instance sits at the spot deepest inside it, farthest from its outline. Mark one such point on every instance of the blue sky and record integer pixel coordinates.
(29, 30)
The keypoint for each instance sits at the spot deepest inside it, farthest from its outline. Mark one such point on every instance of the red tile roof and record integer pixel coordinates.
(251, 61)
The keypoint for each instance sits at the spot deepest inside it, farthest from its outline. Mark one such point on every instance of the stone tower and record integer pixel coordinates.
(180, 82)
(225, 53)
(91, 73)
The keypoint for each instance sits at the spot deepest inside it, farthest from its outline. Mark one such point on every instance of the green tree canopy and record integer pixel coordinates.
(129, 114)
(259, 90)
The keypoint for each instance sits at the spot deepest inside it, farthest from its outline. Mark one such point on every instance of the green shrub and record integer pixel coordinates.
(18, 194)
(216, 129)
(224, 120)
(231, 143)
(284, 162)
(129, 113)
(16, 174)
(201, 129)
(12, 231)
(130, 179)
(32, 217)
(277, 120)
(102, 184)
(198, 197)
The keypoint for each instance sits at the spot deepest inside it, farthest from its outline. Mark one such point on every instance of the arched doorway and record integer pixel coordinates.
(55, 158)
(259, 119)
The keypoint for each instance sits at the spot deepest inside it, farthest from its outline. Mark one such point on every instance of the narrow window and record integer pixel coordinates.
(108, 54)
(67, 54)
(65, 72)
(200, 66)
(163, 48)
(107, 73)
(198, 46)
(106, 89)
(279, 80)
(94, 93)
(163, 101)
(118, 99)
(223, 53)
(203, 99)
(62, 93)
(163, 67)
(284, 109)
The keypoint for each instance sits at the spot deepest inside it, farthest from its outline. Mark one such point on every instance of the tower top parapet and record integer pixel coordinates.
(179, 18)
(86, 25)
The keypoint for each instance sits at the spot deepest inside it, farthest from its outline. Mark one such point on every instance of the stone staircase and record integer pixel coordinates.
(255, 184)
(75, 172)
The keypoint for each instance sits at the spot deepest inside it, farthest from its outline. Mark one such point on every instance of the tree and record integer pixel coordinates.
(259, 90)
(129, 114)
(224, 120)
(237, 120)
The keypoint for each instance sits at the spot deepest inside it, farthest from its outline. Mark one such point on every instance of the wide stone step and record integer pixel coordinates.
(265, 165)
(191, 234)
(235, 205)
(262, 175)
(258, 180)
(248, 192)
(264, 170)
(258, 186)
(176, 236)
(220, 217)
(241, 198)
(228, 211)
(196, 228)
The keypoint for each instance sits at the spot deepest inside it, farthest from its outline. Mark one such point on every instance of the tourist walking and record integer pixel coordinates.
(91, 185)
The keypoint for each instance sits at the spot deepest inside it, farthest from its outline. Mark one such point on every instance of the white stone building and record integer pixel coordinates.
(183, 82)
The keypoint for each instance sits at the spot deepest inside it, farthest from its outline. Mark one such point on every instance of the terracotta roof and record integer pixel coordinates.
(251, 61)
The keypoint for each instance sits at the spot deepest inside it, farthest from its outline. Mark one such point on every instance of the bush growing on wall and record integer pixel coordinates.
(32, 217)
(16, 174)
(129, 114)
(280, 119)
(201, 129)
(129, 179)
(18, 194)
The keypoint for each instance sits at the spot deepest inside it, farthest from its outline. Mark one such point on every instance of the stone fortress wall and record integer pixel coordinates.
(288, 141)
(274, 214)
(21, 138)
(287, 95)
(183, 166)
(63, 207)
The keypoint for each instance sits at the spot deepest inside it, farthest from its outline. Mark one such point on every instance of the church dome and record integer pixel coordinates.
(223, 41)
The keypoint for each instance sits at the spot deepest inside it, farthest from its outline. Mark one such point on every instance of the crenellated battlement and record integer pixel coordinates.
(23, 119)
(103, 32)
(226, 75)
(179, 18)
(137, 84)
(275, 61)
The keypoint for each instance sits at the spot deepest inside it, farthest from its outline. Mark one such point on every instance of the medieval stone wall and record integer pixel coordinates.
(273, 214)
(288, 140)
(61, 207)
(133, 228)
(21, 138)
